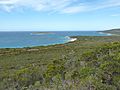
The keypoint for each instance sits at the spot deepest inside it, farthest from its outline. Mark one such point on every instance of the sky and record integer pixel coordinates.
(59, 15)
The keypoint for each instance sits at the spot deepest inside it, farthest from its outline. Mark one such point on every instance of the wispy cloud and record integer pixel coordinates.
(60, 6)
(75, 8)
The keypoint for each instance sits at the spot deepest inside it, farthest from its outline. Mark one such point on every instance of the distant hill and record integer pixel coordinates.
(113, 31)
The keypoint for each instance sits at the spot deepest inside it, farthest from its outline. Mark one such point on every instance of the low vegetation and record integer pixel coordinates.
(90, 63)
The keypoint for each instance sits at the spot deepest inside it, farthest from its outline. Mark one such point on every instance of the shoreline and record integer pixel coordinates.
(70, 39)
(65, 39)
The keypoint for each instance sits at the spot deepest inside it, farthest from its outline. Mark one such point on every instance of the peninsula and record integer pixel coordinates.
(113, 31)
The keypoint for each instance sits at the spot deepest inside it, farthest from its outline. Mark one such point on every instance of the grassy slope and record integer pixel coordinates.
(59, 66)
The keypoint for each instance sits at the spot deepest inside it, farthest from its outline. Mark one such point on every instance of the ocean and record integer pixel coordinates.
(30, 39)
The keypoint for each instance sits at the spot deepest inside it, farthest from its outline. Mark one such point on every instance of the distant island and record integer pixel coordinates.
(42, 33)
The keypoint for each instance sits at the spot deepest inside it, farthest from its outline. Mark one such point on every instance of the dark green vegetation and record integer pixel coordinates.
(113, 31)
(90, 63)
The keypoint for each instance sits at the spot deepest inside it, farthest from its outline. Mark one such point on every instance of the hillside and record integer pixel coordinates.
(90, 63)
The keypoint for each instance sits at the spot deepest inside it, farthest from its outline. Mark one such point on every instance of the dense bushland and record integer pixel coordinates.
(86, 64)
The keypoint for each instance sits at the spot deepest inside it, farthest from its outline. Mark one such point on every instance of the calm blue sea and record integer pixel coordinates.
(29, 39)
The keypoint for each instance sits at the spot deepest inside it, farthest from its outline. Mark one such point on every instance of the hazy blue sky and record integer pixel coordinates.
(59, 14)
